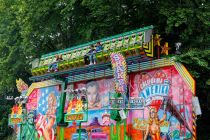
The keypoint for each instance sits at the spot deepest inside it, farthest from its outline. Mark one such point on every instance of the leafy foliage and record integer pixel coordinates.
(31, 28)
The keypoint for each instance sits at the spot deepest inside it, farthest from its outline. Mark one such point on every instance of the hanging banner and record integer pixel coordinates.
(120, 72)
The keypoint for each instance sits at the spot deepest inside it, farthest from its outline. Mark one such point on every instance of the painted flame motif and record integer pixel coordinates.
(16, 110)
(19, 109)
(69, 107)
(79, 105)
(12, 112)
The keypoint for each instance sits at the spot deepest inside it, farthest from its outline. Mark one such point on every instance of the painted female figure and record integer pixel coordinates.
(153, 128)
(46, 122)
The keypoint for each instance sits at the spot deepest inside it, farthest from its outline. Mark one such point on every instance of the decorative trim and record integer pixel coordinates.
(42, 84)
(186, 76)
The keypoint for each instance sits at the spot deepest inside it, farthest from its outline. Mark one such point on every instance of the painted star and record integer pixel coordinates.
(157, 40)
(165, 49)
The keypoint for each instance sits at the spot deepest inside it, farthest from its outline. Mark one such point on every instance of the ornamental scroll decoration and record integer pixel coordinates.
(21, 85)
(120, 72)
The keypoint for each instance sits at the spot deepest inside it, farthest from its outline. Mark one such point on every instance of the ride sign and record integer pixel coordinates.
(117, 102)
(120, 72)
(15, 119)
(74, 117)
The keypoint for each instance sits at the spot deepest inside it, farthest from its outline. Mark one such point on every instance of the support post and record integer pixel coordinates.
(80, 131)
(20, 132)
(60, 117)
(125, 136)
(61, 133)
(118, 129)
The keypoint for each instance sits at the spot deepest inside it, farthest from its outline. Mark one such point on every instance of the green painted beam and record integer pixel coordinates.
(81, 69)
(131, 68)
(104, 70)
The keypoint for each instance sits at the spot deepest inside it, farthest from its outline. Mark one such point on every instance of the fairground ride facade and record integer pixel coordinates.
(129, 91)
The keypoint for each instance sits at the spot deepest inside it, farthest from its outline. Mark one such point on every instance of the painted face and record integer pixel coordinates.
(30, 118)
(106, 119)
(51, 100)
(106, 100)
(92, 94)
(152, 113)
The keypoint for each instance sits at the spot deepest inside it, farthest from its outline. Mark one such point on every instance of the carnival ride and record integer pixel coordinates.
(130, 44)
(142, 52)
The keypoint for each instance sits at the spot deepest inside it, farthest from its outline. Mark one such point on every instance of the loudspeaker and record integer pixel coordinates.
(196, 106)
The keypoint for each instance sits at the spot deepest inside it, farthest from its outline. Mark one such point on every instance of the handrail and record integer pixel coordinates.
(94, 42)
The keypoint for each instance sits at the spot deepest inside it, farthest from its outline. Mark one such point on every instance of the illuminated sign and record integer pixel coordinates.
(15, 119)
(117, 102)
(133, 102)
(120, 72)
(74, 117)
(136, 102)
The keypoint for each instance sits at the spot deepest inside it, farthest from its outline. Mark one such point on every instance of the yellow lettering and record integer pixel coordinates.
(74, 117)
(16, 120)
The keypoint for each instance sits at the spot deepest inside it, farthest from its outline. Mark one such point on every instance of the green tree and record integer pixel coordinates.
(187, 21)
(31, 28)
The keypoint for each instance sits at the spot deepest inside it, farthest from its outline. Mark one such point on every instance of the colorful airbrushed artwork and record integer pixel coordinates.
(166, 112)
(120, 72)
(45, 102)
(98, 92)
(145, 99)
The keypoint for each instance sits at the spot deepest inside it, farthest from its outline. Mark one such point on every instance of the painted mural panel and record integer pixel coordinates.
(167, 105)
(98, 122)
(47, 103)
(160, 107)
(97, 92)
